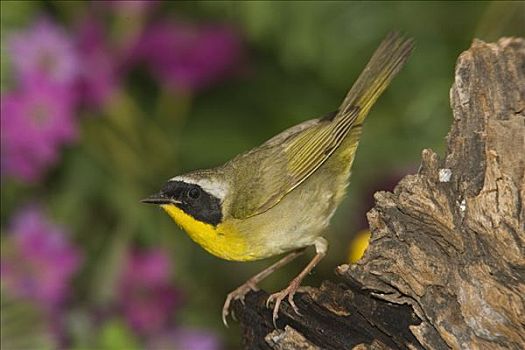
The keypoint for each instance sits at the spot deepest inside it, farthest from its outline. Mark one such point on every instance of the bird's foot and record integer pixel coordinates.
(278, 297)
(237, 294)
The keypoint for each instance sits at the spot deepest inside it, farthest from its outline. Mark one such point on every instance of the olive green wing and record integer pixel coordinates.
(284, 162)
(266, 174)
(304, 153)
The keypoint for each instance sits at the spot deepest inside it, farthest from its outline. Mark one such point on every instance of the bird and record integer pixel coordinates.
(279, 197)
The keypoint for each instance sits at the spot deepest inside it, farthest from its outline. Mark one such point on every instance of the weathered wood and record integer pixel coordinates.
(446, 264)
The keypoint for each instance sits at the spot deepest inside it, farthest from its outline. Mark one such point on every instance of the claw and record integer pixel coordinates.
(237, 294)
(226, 310)
(269, 300)
(278, 297)
(224, 320)
(275, 314)
(292, 303)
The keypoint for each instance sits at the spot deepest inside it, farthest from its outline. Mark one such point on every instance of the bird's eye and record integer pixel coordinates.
(194, 193)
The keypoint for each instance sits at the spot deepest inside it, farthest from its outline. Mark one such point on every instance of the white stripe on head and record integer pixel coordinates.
(215, 188)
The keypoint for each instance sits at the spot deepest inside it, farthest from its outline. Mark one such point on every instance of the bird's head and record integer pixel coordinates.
(197, 194)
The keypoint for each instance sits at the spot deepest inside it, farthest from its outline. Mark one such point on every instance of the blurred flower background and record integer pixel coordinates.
(102, 101)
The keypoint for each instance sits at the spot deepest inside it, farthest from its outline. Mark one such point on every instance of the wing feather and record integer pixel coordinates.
(291, 163)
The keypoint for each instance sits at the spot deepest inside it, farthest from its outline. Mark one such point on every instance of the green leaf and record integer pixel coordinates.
(117, 336)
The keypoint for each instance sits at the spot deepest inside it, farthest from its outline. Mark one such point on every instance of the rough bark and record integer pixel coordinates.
(446, 263)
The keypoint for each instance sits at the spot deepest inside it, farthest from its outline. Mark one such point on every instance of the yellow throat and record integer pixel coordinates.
(223, 240)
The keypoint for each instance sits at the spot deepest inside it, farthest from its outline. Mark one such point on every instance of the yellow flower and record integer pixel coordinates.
(358, 246)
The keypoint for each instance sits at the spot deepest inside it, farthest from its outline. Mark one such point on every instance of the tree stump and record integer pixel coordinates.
(445, 267)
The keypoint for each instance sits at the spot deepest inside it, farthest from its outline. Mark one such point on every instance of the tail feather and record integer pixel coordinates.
(385, 63)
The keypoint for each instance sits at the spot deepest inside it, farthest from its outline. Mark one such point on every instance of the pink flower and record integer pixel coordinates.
(40, 262)
(148, 298)
(188, 56)
(97, 74)
(36, 121)
(44, 50)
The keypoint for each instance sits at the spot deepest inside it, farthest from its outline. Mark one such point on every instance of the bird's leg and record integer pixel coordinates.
(251, 284)
(321, 246)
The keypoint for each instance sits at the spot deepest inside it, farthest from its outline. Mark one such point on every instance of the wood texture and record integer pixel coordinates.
(446, 264)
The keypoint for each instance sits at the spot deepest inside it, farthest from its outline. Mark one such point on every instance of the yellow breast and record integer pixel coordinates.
(223, 240)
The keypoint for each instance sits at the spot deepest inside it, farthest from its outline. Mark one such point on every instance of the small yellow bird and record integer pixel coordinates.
(279, 197)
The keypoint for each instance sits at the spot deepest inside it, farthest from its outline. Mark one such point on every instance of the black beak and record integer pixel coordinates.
(158, 198)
